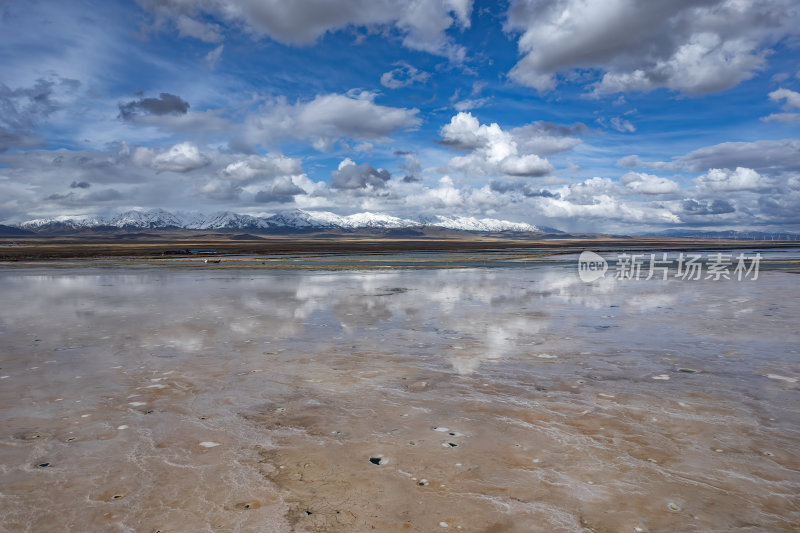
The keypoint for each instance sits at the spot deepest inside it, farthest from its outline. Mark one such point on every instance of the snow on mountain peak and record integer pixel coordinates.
(295, 219)
(154, 218)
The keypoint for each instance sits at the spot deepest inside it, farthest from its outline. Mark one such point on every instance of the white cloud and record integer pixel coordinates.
(350, 176)
(491, 150)
(586, 191)
(183, 157)
(260, 168)
(444, 196)
(328, 118)
(605, 207)
(281, 190)
(526, 165)
(189, 27)
(727, 180)
(422, 25)
(706, 64)
(791, 100)
(682, 45)
(785, 118)
(649, 184)
(629, 161)
(546, 138)
(704, 208)
(622, 125)
(470, 103)
(403, 75)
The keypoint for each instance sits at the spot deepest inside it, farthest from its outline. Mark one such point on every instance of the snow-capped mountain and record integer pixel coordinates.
(154, 218)
(67, 222)
(225, 220)
(475, 224)
(375, 220)
(297, 219)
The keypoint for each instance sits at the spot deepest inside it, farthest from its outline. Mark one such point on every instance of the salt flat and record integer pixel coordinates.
(512, 398)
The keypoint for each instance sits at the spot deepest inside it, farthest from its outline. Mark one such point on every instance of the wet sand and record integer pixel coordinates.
(480, 399)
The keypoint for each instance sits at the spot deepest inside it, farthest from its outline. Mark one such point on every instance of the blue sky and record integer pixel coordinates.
(590, 115)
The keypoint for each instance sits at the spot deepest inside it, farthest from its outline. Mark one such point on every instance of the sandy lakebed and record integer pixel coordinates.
(511, 397)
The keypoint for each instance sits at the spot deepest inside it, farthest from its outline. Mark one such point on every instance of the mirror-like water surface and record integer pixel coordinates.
(505, 399)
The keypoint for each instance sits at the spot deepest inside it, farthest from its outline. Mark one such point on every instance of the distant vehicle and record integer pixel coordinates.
(211, 260)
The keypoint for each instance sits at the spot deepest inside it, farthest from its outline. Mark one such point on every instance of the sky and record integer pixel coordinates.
(583, 115)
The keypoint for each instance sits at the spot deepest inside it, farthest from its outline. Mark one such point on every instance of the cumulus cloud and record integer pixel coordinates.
(220, 190)
(328, 118)
(684, 45)
(727, 180)
(791, 101)
(707, 207)
(283, 190)
(165, 104)
(269, 178)
(491, 149)
(466, 133)
(123, 177)
(526, 165)
(403, 75)
(422, 25)
(350, 176)
(547, 138)
(649, 184)
(445, 195)
(589, 190)
(598, 198)
(629, 161)
(520, 187)
(260, 168)
(790, 98)
(183, 157)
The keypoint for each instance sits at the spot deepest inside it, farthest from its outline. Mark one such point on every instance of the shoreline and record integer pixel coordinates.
(93, 248)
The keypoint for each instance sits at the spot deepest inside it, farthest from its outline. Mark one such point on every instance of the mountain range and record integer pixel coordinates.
(295, 220)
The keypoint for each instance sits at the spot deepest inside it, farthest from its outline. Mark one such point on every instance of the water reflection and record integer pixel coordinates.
(254, 401)
(467, 317)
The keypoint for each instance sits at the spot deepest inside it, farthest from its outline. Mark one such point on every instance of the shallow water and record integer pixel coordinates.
(504, 399)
